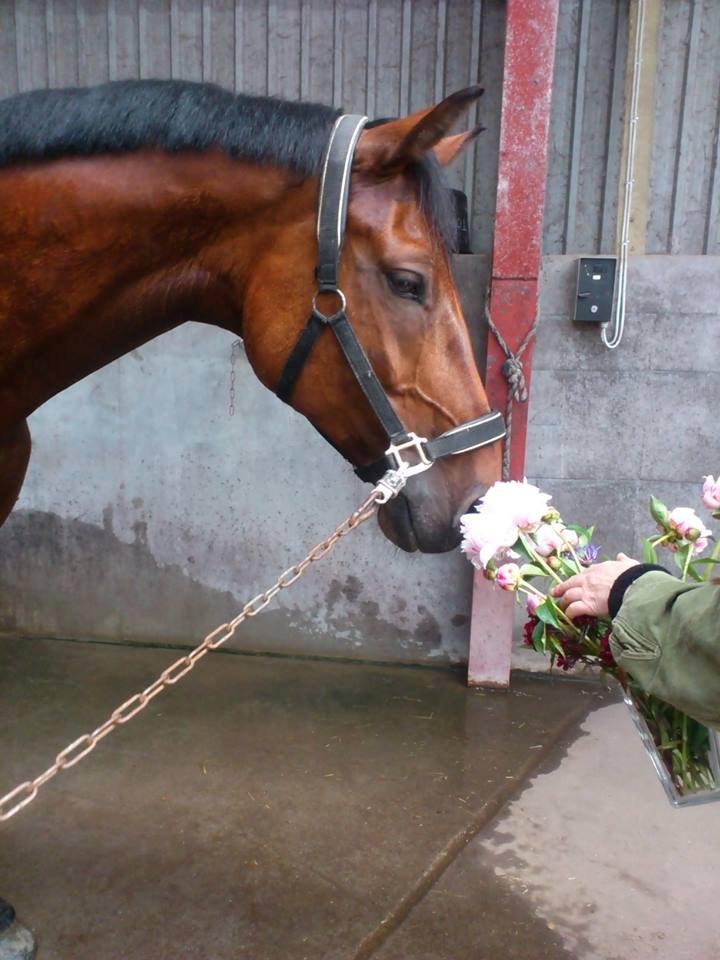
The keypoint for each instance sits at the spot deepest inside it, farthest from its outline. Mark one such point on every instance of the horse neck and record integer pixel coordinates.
(99, 255)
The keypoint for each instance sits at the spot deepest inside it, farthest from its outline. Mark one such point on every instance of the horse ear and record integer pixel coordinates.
(449, 147)
(390, 147)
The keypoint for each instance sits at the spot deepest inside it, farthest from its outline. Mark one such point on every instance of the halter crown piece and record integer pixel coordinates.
(332, 215)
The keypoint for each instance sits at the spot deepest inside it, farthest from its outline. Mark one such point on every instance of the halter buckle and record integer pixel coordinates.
(406, 467)
(389, 486)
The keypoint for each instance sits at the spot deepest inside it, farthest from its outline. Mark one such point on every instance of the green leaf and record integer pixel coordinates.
(547, 613)
(649, 552)
(567, 567)
(539, 637)
(532, 570)
(520, 548)
(658, 511)
(557, 647)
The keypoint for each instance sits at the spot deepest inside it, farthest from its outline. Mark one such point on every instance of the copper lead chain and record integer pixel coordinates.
(26, 792)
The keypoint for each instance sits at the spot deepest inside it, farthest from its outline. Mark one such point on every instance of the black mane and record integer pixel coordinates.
(169, 115)
(175, 115)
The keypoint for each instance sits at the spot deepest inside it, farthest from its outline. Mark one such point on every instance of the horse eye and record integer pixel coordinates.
(406, 284)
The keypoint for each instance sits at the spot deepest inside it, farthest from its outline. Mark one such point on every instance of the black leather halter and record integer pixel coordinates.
(332, 215)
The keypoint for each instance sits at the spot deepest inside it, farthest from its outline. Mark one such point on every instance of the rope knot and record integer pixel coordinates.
(513, 372)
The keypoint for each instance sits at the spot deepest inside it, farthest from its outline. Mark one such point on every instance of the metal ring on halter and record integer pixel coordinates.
(338, 292)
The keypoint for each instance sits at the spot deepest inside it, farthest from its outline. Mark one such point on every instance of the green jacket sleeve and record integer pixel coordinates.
(666, 635)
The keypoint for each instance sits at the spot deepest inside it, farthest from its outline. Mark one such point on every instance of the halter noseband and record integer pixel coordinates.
(332, 215)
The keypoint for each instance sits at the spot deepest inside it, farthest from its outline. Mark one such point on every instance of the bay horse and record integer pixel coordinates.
(132, 207)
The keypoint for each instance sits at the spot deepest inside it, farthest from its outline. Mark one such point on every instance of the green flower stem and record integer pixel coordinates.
(568, 621)
(660, 540)
(528, 588)
(530, 547)
(686, 565)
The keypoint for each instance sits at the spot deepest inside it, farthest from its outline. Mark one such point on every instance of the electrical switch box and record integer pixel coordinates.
(595, 289)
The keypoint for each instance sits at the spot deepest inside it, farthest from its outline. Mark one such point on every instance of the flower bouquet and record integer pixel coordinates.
(521, 543)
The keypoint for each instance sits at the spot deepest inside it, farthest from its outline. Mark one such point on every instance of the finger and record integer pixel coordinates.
(571, 596)
(622, 556)
(561, 588)
(580, 608)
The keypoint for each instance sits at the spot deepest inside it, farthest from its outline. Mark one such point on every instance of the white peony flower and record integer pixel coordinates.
(485, 537)
(520, 504)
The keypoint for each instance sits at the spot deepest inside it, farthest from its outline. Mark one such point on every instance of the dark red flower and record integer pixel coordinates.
(528, 631)
(606, 658)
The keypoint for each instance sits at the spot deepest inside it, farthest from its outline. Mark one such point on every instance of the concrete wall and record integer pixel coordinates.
(608, 428)
(150, 514)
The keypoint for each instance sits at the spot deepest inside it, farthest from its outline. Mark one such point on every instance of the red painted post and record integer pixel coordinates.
(531, 28)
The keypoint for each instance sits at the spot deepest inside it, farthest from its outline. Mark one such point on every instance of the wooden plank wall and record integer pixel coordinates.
(384, 57)
(380, 57)
(588, 116)
(685, 181)
(586, 126)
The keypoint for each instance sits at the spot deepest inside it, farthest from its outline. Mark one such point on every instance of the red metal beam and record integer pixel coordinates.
(531, 27)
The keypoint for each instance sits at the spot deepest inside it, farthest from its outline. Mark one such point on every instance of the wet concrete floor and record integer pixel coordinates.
(271, 808)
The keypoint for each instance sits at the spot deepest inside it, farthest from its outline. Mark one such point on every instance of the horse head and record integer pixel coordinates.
(402, 301)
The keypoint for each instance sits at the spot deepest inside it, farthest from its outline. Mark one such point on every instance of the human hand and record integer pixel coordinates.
(586, 594)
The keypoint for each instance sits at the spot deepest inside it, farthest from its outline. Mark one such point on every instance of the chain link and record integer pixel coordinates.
(26, 792)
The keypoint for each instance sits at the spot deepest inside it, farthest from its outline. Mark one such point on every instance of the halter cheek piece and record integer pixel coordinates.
(332, 215)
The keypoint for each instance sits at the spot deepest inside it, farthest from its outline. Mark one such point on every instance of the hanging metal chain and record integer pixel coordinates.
(25, 793)
(235, 351)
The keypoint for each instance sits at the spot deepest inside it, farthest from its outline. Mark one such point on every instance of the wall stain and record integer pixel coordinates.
(140, 531)
(333, 594)
(352, 588)
(68, 578)
(428, 629)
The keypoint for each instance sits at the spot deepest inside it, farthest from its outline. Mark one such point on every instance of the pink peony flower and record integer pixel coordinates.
(547, 540)
(700, 544)
(532, 603)
(486, 537)
(508, 576)
(570, 536)
(711, 493)
(687, 524)
(519, 504)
